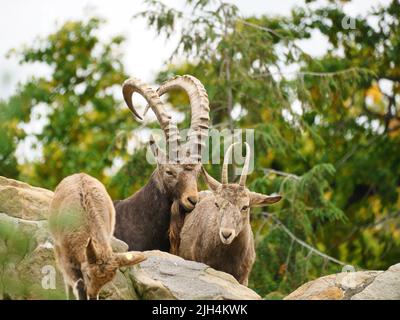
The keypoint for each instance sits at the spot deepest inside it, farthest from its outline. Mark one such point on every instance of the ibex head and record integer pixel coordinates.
(180, 180)
(101, 266)
(233, 201)
(178, 168)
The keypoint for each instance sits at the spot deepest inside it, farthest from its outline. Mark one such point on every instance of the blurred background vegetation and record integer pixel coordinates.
(327, 134)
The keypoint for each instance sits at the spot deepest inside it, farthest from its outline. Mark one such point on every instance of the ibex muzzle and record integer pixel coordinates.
(187, 187)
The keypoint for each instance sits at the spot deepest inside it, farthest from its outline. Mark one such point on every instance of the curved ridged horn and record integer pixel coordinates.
(246, 165)
(200, 109)
(227, 157)
(133, 85)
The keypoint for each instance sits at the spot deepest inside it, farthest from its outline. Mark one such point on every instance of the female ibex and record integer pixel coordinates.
(218, 231)
(81, 221)
(143, 219)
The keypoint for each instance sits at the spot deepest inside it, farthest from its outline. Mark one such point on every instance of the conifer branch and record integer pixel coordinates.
(311, 249)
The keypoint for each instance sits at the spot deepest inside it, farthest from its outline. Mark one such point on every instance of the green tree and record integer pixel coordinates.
(87, 125)
(332, 156)
(10, 116)
(363, 127)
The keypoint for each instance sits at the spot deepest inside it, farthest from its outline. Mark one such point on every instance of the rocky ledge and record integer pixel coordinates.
(360, 285)
(29, 269)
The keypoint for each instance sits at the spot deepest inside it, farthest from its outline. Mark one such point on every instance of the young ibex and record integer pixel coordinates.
(218, 231)
(143, 219)
(81, 221)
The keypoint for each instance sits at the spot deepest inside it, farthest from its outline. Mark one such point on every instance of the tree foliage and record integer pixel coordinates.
(332, 156)
(86, 125)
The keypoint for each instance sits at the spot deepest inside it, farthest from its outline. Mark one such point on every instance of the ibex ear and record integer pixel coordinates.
(91, 252)
(158, 154)
(211, 182)
(261, 200)
(129, 258)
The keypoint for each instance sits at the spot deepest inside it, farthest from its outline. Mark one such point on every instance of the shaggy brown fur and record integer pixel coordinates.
(81, 221)
(143, 220)
(218, 232)
(175, 227)
(178, 217)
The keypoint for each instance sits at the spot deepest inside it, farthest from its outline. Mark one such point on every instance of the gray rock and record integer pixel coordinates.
(361, 285)
(20, 200)
(323, 288)
(165, 276)
(354, 282)
(386, 286)
(118, 245)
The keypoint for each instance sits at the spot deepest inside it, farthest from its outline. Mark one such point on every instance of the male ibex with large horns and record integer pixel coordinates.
(218, 231)
(143, 219)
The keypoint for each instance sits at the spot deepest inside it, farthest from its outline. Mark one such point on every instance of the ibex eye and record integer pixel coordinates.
(217, 205)
(170, 173)
(244, 208)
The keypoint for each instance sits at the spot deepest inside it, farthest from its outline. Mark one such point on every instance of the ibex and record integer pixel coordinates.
(218, 231)
(143, 219)
(81, 221)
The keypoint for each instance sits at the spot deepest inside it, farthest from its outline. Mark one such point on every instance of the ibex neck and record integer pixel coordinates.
(155, 189)
(142, 220)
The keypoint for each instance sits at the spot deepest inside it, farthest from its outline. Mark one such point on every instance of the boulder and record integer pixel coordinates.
(385, 286)
(20, 200)
(321, 289)
(30, 270)
(166, 276)
(360, 285)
